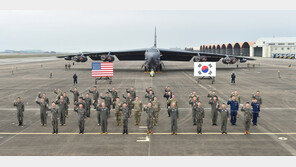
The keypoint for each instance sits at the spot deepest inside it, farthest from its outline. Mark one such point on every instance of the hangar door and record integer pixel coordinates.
(257, 51)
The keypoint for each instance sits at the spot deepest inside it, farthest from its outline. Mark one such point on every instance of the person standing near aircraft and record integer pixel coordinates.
(67, 100)
(193, 102)
(58, 93)
(233, 76)
(108, 101)
(98, 106)
(233, 109)
(157, 107)
(54, 118)
(118, 105)
(150, 96)
(129, 101)
(137, 110)
(43, 111)
(132, 92)
(248, 114)
(200, 115)
(75, 79)
(20, 110)
(75, 94)
(224, 114)
(87, 101)
(81, 118)
(258, 97)
(150, 115)
(214, 103)
(256, 109)
(96, 95)
(174, 114)
(125, 115)
(212, 94)
(104, 113)
(44, 97)
(114, 95)
(62, 109)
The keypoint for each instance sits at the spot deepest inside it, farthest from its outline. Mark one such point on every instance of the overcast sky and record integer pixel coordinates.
(75, 31)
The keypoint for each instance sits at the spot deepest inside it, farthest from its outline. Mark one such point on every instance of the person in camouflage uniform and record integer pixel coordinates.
(200, 115)
(150, 115)
(98, 105)
(137, 110)
(157, 107)
(117, 105)
(59, 93)
(248, 115)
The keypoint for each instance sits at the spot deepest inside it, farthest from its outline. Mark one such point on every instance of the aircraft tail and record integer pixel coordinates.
(155, 38)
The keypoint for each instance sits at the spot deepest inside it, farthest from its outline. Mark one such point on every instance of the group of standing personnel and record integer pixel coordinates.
(251, 111)
(131, 104)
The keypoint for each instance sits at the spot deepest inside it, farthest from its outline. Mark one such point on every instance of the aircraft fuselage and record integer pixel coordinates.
(152, 58)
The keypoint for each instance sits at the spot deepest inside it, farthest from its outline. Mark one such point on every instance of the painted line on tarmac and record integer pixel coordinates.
(184, 133)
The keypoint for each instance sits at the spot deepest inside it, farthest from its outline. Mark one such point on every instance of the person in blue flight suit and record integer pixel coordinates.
(75, 77)
(233, 109)
(256, 109)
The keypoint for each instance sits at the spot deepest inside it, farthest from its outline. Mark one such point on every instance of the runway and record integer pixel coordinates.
(274, 135)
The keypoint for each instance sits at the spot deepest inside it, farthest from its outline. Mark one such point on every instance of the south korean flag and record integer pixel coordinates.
(205, 69)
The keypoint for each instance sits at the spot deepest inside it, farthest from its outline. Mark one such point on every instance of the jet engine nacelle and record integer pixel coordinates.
(243, 60)
(229, 60)
(68, 58)
(83, 58)
(80, 58)
(199, 58)
(108, 58)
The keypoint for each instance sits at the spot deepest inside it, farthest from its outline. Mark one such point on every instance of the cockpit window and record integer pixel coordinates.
(152, 50)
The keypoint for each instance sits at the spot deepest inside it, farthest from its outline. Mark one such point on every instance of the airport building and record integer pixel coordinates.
(276, 47)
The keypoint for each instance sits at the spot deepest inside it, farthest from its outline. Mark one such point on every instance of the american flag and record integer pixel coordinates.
(102, 69)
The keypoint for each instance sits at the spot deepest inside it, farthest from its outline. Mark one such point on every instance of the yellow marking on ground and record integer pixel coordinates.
(185, 133)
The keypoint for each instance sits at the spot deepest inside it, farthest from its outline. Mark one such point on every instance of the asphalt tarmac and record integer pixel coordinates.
(275, 134)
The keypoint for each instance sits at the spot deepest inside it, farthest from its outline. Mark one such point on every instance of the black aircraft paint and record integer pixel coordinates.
(154, 56)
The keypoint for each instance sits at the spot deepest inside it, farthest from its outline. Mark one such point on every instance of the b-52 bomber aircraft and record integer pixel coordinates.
(154, 56)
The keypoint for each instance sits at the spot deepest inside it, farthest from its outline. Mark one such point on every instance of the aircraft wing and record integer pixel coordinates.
(136, 54)
(184, 55)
